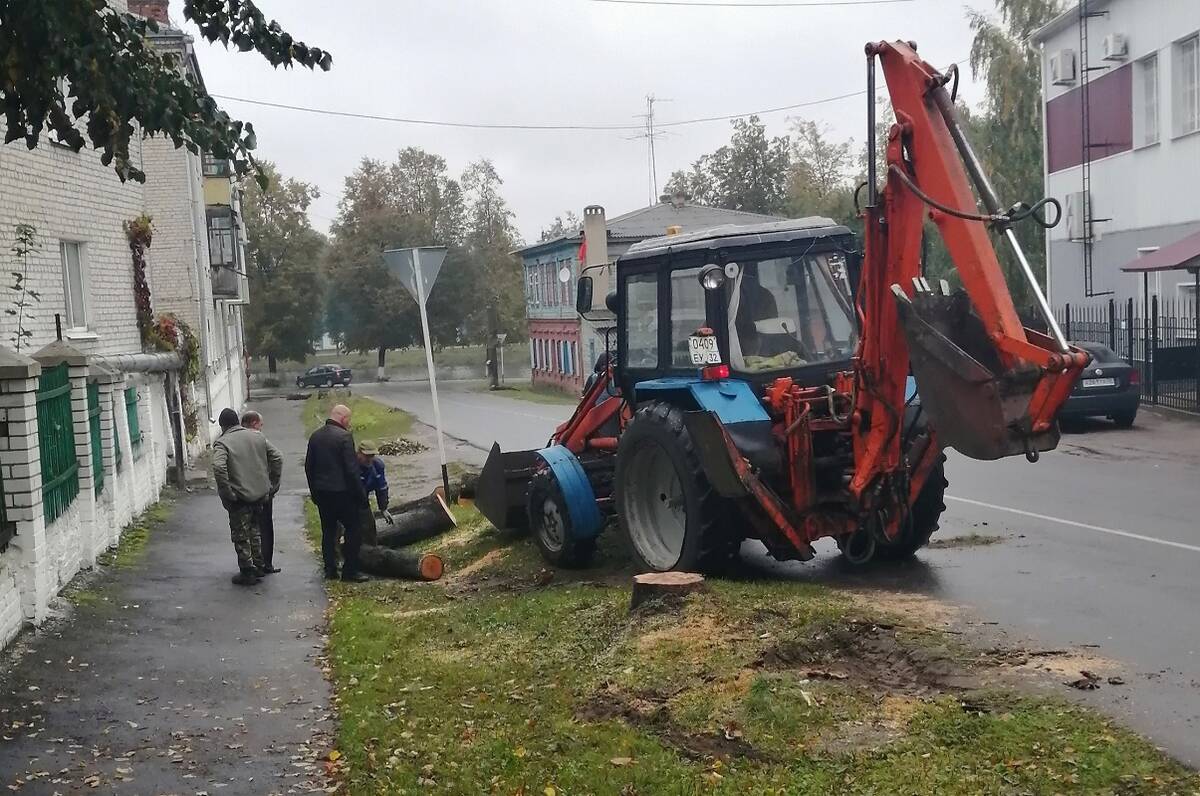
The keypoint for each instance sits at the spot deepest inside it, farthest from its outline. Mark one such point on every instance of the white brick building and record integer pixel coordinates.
(111, 443)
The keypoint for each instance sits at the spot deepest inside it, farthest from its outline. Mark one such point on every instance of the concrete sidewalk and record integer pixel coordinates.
(168, 678)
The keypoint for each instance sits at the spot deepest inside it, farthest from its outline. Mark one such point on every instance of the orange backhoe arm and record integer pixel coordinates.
(991, 387)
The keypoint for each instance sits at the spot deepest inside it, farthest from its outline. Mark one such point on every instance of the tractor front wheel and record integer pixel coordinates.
(666, 508)
(550, 521)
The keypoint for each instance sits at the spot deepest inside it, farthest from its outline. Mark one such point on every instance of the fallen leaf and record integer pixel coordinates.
(621, 761)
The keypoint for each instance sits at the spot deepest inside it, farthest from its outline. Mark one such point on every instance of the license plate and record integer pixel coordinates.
(1088, 383)
(704, 350)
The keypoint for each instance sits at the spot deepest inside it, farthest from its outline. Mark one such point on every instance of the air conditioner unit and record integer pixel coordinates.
(1116, 47)
(1062, 68)
(1073, 216)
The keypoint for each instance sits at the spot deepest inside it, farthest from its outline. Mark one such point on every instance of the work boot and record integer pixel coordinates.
(267, 569)
(246, 577)
(354, 577)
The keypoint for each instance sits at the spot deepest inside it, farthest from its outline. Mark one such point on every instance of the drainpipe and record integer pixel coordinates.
(197, 213)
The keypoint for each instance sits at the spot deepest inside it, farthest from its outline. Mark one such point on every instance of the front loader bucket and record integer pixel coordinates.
(502, 490)
(974, 405)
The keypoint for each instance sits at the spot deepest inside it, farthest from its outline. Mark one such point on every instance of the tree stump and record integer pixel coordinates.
(400, 563)
(668, 588)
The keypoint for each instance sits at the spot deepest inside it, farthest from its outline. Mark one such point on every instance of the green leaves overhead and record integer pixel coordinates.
(87, 75)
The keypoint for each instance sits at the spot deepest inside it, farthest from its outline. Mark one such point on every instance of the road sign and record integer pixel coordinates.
(417, 269)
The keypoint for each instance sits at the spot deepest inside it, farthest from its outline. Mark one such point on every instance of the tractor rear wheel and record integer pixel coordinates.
(666, 508)
(550, 521)
(922, 518)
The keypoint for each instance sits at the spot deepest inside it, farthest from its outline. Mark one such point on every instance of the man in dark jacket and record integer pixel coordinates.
(331, 466)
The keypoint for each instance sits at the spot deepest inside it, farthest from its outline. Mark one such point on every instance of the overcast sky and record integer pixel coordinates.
(559, 62)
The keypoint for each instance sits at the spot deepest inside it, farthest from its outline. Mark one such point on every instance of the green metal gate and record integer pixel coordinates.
(56, 438)
(93, 395)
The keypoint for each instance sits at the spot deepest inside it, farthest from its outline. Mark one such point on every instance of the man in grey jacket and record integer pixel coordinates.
(247, 468)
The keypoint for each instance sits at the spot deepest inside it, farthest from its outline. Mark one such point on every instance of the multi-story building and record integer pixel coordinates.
(563, 350)
(1140, 152)
(197, 260)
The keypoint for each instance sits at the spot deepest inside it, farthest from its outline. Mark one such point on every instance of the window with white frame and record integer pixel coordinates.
(1187, 85)
(220, 238)
(74, 283)
(1145, 101)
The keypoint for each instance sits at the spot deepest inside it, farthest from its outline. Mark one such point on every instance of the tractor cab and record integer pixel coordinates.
(751, 303)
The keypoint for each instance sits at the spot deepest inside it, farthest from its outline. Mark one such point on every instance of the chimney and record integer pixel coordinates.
(151, 9)
(595, 233)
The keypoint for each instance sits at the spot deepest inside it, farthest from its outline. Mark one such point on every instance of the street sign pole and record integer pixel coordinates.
(437, 409)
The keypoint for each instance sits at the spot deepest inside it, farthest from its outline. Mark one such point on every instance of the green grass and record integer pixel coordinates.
(496, 681)
(368, 419)
(534, 394)
(135, 536)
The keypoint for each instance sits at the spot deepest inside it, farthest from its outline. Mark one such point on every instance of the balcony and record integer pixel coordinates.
(226, 283)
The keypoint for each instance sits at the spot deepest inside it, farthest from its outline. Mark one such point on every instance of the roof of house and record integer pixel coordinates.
(1067, 19)
(1181, 255)
(654, 220)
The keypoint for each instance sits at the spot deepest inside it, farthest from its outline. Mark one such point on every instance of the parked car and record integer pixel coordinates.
(324, 376)
(1108, 387)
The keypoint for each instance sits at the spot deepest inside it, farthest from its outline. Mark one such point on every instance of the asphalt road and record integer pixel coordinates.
(1100, 548)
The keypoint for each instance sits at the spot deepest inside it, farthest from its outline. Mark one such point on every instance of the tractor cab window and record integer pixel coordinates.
(641, 305)
(687, 314)
(789, 312)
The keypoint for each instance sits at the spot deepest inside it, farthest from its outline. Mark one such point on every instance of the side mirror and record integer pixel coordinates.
(610, 301)
(583, 295)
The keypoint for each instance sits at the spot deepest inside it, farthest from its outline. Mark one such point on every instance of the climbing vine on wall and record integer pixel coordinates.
(175, 335)
(140, 231)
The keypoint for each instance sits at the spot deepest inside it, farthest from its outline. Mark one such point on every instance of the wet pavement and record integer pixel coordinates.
(166, 678)
(1099, 549)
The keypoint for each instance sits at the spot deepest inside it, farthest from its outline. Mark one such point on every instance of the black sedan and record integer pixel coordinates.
(324, 376)
(1108, 387)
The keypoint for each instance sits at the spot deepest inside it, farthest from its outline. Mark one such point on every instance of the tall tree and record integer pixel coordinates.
(749, 173)
(79, 67)
(819, 180)
(411, 202)
(566, 224)
(491, 239)
(1009, 135)
(284, 258)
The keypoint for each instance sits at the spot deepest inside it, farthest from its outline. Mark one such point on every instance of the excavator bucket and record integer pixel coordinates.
(975, 405)
(501, 493)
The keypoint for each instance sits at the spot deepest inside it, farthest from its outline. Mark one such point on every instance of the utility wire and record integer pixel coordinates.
(810, 4)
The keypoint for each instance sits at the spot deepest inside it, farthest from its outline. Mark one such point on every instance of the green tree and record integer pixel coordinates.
(749, 173)
(81, 68)
(284, 268)
(566, 224)
(491, 239)
(819, 179)
(1009, 134)
(411, 202)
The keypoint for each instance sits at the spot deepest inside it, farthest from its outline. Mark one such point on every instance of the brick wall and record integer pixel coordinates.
(70, 196)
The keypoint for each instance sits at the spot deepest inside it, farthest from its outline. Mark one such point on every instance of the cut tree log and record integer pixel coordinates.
(417, 520)
(400, 563)
(666, 587)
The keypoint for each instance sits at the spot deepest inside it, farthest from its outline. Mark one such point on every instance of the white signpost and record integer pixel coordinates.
(417, 269)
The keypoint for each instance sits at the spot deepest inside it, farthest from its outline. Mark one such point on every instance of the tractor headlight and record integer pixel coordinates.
(712, 276)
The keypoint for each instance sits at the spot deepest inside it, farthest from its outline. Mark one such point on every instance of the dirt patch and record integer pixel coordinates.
(916, 610)
(871, 656)
(649, 712)
(693, 637)
(969, 540)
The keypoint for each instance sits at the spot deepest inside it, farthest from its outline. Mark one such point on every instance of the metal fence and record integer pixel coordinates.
(1160, 342)
(131, 415)
(56, 437)
(93, 396)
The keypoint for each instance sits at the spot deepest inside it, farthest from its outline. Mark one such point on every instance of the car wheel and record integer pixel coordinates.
(1125, 419)
(328, 383)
